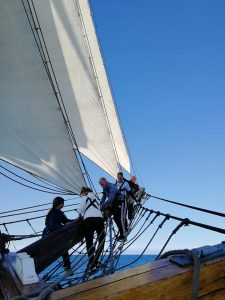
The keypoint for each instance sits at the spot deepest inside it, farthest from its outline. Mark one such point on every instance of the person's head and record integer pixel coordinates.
(85, 190)
(103, 182)
(58, 203)
(120, 176)
(133, 179)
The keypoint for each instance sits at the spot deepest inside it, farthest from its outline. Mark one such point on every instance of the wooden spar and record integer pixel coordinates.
(46, 250)
(157, 280)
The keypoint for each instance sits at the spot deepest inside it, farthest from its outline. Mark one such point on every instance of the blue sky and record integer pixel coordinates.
(166, 61)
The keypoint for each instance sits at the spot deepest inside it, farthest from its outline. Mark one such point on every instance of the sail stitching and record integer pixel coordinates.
(42, 47)
(98, 83)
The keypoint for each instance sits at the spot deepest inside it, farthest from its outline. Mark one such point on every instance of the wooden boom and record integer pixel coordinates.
(46, 250)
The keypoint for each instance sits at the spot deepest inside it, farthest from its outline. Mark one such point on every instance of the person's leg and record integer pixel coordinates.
(118, 218)
(100, 229)
(66, 260)
(130, 208)
(88, 234)
(123, 217)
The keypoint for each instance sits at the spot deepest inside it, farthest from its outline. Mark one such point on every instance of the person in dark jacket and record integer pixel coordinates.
(54, 220)
(137, 192)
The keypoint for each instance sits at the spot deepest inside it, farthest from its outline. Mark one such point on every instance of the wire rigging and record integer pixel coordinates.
(58, 190)
(216, 213)
(42, 47)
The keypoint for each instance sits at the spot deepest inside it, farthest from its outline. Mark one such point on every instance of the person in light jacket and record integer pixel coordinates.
(93, 222)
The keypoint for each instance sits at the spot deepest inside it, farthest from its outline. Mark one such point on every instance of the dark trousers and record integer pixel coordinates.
(130, 209)
(119, 213)
(65, 256)
(66, 260)
(92, 225)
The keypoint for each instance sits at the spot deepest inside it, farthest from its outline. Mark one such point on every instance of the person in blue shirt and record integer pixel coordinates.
(113, 201)
(54, 220)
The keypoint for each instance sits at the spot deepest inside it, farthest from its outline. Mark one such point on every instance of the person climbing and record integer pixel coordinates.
(113, 201)
(93, 222)
(137, 192)
(123, 186)
(55, 219)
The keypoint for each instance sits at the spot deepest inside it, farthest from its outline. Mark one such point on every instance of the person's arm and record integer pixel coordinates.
(81, 209)
(136, 187)
(103, 198)
(127, 187)
(64, 219)
(112, 194)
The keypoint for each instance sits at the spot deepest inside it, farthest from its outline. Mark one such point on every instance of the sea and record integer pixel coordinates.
(134, 260)
(125, 262)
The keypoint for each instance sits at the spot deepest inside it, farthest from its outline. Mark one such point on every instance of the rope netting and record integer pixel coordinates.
(146, 223)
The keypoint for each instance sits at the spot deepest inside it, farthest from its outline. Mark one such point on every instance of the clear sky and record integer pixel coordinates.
(166, 61)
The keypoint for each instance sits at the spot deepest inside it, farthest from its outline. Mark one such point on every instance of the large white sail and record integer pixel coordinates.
(32, 128)
(118, 138)
(93, 118)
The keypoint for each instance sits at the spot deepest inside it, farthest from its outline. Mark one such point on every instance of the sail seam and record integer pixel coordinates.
(85, 36)
(42, 47)
(111, 89)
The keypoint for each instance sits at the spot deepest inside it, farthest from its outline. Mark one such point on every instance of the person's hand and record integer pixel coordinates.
(80, 217)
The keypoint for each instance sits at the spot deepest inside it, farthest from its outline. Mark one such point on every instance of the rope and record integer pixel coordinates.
(57, 91)
(33, 188)
(9, 235)
(194, 255)
(140, 227)
(43, 295)
(58, 190)
(32, 227)
(39, 205)
(182, 223)
(121, 250)
(205, 226)
(190, 206)
(25, 220)
(42, 47)
(159, 227)
(137, 236)
(33, 211)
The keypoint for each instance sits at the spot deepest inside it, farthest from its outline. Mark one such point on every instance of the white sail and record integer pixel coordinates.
(32, 129)
(95, 125)
(118, 138)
